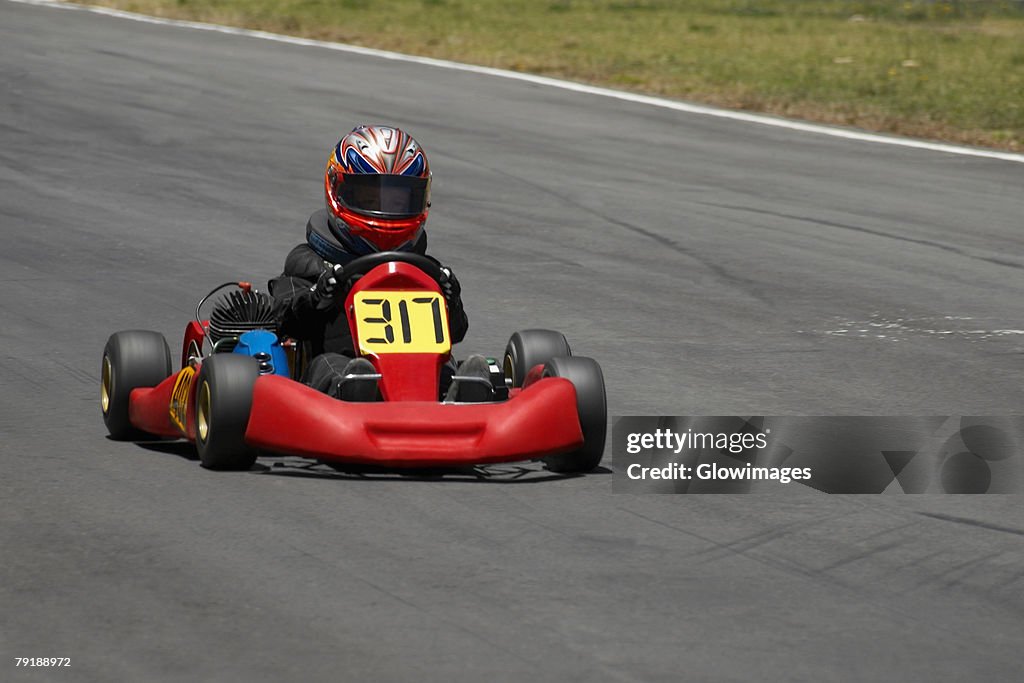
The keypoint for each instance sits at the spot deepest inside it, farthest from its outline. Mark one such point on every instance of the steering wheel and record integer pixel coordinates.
(362, 265)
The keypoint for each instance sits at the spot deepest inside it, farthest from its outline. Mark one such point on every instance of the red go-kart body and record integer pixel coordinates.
(232, 407)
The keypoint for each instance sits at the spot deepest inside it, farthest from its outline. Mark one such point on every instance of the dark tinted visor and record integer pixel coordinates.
(387, 196)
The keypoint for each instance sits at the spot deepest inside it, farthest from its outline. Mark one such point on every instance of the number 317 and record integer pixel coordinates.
(403, 316)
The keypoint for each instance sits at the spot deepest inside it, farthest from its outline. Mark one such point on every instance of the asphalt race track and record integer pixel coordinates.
(712, 267)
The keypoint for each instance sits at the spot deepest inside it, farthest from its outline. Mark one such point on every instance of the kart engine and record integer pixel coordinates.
(236, 313)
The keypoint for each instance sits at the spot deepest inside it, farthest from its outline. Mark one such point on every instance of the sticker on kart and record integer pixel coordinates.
(179, 397)
(401, 322)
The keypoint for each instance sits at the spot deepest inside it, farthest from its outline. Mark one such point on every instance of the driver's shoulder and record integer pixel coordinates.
(303, 262)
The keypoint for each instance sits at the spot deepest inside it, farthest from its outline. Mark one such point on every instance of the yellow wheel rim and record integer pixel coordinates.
(106, 385)
(509, 369)
(203, 411)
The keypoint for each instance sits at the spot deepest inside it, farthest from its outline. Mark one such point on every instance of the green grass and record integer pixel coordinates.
(944, 69)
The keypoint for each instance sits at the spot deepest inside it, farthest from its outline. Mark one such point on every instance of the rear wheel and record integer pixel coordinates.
(131, 359)
(223, 403)
(592, 408)
(529, 348)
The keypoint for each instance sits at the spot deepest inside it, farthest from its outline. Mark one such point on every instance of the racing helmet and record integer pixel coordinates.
(377, 185)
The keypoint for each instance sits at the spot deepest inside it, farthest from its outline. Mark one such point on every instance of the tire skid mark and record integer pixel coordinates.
(973, 522)
(783, 565)
(877, 233)
(863, 555)
(749, 287)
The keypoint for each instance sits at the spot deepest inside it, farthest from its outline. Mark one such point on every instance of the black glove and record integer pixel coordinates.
(450, 287)
(327, 287)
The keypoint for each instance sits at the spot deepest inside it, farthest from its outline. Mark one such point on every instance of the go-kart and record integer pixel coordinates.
(237, 394)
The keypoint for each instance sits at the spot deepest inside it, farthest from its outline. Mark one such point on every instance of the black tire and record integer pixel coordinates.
(223, 403)
(131, 359)
(528, 348)
(592, 408)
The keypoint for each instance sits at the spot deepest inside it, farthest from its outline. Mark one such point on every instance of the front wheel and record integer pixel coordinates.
(529, 348)
(131, 359)
(223, 403)
(591, 407)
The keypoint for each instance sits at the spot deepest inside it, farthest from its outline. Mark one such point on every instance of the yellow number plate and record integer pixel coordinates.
(401, 322)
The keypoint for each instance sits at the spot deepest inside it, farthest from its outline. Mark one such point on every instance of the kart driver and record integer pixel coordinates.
(377, 186)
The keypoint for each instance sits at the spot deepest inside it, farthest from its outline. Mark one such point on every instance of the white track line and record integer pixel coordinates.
(551, 82)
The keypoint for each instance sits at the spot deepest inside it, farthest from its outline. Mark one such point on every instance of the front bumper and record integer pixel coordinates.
(290, 417)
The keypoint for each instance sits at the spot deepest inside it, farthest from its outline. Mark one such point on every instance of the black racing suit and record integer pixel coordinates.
(326, 332)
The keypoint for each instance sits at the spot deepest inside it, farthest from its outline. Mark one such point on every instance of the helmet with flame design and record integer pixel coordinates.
(377, 185)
